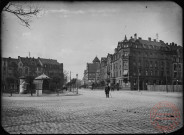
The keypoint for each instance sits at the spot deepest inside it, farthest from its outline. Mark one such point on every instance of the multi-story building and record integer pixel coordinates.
(26, 66)
(137, 63)
(103, 69)
(51, 67)
(93, 71)
(9, 73)
(29, 66)
(85, 78)
(110, 76)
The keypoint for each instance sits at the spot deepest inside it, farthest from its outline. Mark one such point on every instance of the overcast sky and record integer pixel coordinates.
(74, 33)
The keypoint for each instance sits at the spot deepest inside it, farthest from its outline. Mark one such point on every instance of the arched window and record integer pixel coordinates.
(146, 72)
(26, 70)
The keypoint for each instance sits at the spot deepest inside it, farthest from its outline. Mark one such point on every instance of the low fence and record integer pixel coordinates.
(169, 88)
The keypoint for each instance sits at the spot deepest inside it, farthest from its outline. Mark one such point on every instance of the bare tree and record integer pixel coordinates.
(65, 73)
(24, 12)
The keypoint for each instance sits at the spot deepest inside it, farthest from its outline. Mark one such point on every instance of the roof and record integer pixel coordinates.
(49, 61)
(41, 77)
(10, 59)
(96, 59)
(146, 42)
(103, 59)
(29, 61)
(92, 67)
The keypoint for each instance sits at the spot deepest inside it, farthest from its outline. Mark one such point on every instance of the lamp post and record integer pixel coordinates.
(76, 82)
(138, 80)
(176, 85)
(70, 81)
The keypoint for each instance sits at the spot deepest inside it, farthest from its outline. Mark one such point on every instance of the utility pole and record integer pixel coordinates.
(138, 80)
(70, 80)
(166, 81)
(76, 82)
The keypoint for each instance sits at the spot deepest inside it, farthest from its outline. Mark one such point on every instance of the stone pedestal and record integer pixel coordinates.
(38, 92)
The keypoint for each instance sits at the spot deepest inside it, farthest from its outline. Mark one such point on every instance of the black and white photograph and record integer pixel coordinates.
(91, 67)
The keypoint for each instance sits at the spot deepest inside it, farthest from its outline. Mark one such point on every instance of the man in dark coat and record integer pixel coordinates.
(107, 89)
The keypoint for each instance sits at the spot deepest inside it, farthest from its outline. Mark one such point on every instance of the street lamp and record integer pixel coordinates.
(76, 82)
(138, 80)
(177, 85)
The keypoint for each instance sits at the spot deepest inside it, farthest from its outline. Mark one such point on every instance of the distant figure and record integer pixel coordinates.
(107, 89)
(57, 92)
(92, 86)
(11, 91)
(117, 86)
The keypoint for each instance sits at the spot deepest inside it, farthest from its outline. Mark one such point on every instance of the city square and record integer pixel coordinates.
(91, 67)
(89, 111)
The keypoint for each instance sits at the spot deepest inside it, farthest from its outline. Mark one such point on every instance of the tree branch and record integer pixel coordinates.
(23, 14)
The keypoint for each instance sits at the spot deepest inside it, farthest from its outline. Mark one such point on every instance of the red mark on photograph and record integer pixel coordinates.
(165, 116)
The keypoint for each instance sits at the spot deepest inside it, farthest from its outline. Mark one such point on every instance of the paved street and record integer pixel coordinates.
(88, 112)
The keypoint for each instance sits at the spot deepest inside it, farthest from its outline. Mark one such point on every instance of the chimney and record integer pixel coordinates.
(140, 38)
(157, 37)
(135, 36)
(131, 37)
(166, 43)
(175, 44)
(149, 38)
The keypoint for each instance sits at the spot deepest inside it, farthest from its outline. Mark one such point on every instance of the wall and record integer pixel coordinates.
(171, 88)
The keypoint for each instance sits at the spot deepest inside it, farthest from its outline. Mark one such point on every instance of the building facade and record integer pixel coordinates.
(25, 66)
(9, 73)
(137, 63)
(92, 72)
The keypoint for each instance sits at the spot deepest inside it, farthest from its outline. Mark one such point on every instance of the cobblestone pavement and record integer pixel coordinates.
(88, 112)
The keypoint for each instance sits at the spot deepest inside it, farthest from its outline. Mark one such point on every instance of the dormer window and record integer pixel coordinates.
(125, 45)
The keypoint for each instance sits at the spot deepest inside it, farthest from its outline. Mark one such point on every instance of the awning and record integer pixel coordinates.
(125, 72)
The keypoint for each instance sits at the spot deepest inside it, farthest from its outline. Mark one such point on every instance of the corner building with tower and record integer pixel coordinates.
(137, 63)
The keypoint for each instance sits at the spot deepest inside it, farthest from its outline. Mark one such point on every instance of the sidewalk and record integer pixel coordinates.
(65, 93)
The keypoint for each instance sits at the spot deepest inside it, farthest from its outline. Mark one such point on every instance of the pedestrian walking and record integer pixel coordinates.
(107, 89)
(117, 86)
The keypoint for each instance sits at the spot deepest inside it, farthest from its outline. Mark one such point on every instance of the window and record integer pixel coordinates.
(26, 70)
(140, 71)
(156, 72)
(175, 74)
(175, 67)
(126, 54)
(162, 73)
(146, 73)
(125, 65)
(139, 63)
(151, 72)
(168, 73)
(147, 64)
(151, 64)
(179, 67)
